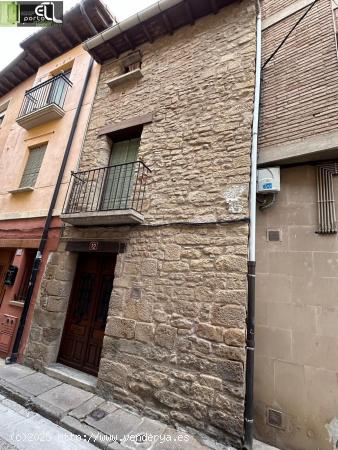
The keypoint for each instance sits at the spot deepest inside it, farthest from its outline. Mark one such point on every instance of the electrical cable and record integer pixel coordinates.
(289, 33)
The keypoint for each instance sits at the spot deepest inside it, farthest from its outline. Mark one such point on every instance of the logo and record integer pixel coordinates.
(31, 14)
(267, 186)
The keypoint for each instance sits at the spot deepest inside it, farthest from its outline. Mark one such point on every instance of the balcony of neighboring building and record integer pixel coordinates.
(44, 102)
(111, 195)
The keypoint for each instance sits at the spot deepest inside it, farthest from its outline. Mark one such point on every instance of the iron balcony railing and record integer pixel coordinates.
(49, 92)
(117, 187)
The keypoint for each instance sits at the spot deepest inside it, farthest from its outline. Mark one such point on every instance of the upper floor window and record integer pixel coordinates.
(33, 165)
(3, 109)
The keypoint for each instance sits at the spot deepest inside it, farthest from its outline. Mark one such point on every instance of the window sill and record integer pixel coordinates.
(23, 189)
(16, 303)
(133, 75)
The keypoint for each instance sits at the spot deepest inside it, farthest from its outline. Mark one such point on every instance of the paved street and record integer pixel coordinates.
(24, 429)
(69, 414)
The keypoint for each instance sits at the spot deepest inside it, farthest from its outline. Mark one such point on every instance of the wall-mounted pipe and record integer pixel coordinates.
(37, 261)
(250, 340)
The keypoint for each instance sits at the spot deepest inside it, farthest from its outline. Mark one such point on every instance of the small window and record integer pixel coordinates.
(2, 116)
(3, 109)
(23, 289)
(33, 166)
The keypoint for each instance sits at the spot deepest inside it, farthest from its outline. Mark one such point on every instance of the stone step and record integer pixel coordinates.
(72, 376)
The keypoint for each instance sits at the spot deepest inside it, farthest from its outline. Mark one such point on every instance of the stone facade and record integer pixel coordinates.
(174, 343)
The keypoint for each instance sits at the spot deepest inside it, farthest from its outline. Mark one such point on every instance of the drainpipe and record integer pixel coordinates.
(250, 340)
(37, 261)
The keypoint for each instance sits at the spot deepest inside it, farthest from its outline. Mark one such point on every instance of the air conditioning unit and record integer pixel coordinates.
(268, 180)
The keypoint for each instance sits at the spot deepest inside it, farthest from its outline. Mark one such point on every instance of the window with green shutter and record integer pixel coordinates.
(33, 166)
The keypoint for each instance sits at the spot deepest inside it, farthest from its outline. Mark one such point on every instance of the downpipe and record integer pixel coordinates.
(250, 339)
(37, 261)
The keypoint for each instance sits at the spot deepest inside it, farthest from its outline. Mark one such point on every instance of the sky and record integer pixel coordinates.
(10, 38)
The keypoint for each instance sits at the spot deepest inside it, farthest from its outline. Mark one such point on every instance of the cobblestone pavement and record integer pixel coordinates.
(28, 395)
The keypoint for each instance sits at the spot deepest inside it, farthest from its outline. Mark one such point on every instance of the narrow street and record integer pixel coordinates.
(81, 415)
(24, 429)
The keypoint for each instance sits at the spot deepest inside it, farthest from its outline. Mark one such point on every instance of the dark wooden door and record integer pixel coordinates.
(82, 339)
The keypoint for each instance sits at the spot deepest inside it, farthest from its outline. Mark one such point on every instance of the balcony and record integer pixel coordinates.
(110, 195)
(44, 102)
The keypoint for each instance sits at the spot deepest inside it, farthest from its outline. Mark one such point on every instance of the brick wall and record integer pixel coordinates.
(299, 97)
(270, 7)
(175, 337)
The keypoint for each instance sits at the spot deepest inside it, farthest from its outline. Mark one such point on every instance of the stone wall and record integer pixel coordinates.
(174, 344)
(50, 309)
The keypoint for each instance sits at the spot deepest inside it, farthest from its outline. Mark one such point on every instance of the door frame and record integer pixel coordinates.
(99, 251)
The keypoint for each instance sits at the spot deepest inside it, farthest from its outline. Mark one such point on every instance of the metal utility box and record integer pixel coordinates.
(11, 276)
(268, 180)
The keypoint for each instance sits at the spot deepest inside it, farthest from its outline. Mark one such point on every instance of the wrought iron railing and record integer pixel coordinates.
(117, 187)
(49, 92)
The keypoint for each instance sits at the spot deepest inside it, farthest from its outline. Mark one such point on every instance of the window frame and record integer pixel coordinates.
(25, 173)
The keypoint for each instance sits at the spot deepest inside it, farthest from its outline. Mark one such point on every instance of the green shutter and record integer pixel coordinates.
(8, 13)
(120, 178)
(32, 166)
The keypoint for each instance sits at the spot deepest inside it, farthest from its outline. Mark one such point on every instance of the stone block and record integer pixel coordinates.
(149, 267)
(210, 332)
(65, 397)
(144, 332)
(87, 407)
(172, 252)
(172, 400)
(165, 336)
(113, 372)
(137, 309)
(229, 316)
(227, 422)
(210, 381)
(119, 423)
(234, 337)
(38, 383)
(121, 328)
(231, 263)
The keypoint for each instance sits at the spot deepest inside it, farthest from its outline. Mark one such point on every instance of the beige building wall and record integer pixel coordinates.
(296, 393)
(174, 345)
(15, 141)
(297, 316)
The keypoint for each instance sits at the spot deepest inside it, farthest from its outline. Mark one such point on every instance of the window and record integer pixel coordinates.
(2, 116)
(327, 222)
(21, 294)
(3, 109)
(33, 166)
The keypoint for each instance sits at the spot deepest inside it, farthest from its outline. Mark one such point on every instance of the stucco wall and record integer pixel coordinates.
(175, 337)
(15, 141)
(297, 316)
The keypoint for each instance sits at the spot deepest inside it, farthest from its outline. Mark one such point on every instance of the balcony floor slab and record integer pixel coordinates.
(41, 116)
(113, 217)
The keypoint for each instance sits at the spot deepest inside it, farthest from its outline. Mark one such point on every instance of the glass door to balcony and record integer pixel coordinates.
(120, 175)
(58, 90)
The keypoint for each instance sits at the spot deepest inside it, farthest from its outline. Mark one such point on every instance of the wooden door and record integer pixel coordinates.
(120, 176)
(82, 339)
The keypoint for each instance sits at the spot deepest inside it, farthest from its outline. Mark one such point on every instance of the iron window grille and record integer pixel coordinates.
(327, 222)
